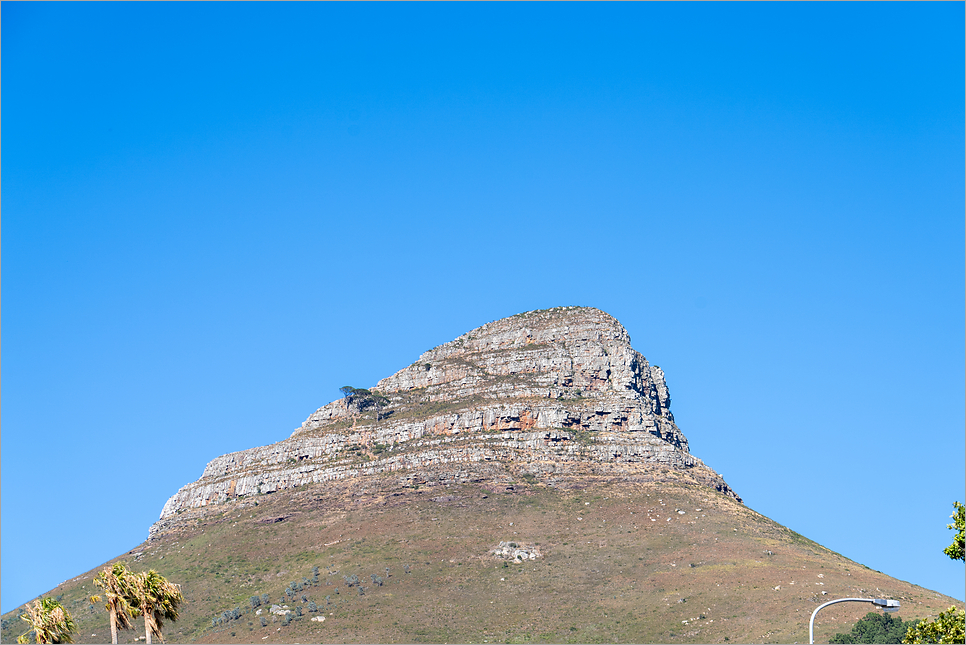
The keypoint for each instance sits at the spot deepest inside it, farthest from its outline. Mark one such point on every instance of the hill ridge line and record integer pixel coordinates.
(546, 394)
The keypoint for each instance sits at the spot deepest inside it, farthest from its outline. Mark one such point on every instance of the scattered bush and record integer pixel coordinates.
(363, 398)
(950, 625)
(875, 628)
(264, 622)
(255, 601)
(313, 607)
(264, 598)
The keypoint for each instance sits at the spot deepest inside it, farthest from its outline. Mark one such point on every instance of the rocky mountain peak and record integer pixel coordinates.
(555, 394)
(565, 351)
(560, 325)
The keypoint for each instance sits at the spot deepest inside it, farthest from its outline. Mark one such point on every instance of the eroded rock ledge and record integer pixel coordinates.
(553, 393)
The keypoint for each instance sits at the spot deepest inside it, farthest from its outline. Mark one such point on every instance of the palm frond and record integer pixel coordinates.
(117, 585)
(158, 599)
(50, 622)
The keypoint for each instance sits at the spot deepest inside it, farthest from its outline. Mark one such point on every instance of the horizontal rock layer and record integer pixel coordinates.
(553, 393)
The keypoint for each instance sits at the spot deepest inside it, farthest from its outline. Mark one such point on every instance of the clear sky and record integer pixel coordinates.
(214, 215)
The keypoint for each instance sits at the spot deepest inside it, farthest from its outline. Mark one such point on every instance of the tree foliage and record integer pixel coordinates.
(949, 627)
(49, 622)
(955, 550)
(157, 599)
(116, 583)
(875, 628)
(363, 399)
(130, 594)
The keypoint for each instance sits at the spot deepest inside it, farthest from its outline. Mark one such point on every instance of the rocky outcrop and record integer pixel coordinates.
(545, 394)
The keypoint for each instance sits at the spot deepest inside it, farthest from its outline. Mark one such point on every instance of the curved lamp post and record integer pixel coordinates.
(887, 605)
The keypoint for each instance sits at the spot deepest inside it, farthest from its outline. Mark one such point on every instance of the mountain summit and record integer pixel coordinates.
(552, 395)
(523, 483)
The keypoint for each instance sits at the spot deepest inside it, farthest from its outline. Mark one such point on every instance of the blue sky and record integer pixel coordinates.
(214, 215)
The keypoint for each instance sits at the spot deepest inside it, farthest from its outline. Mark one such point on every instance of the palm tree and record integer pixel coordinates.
(116, 583)
(156, 598)
(49, 622)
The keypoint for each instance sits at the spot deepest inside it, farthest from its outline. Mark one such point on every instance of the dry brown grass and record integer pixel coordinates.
(608, 572)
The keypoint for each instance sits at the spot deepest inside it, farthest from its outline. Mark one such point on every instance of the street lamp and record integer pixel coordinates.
(884, 604)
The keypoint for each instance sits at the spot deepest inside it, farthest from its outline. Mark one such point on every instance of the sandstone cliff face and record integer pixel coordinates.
(546, 394)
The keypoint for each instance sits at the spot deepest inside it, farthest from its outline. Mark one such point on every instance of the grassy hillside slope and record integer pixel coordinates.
(619, 562)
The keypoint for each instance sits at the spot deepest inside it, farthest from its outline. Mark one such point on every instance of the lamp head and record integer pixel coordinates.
(886, 605)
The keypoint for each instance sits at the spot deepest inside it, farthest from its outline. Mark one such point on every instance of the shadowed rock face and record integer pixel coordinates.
(553, 394)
